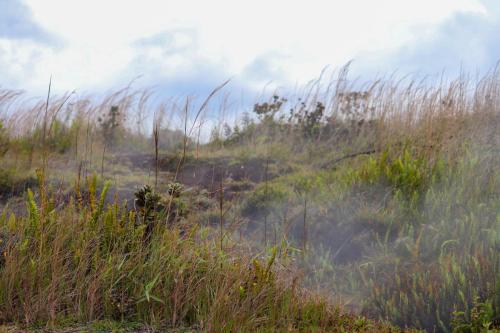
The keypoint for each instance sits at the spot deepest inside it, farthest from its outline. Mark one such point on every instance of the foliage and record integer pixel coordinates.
(152, 207)
(408, 175)
(395, 182)
(12, 183)
(267, 110)
(448, 261)
(308, 121)
(4, 140)
(482, 317)
(170, 140)
(100, 270)
(265, 199)
(60, 137)
(148, 203)
(175, 189)
(110, 125)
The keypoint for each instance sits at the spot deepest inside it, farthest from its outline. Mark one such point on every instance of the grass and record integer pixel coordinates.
(90, 262)
(383, 198)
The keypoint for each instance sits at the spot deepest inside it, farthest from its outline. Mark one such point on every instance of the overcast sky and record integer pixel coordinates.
(190, 46)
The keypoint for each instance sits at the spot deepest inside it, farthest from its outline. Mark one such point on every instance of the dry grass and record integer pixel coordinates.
(407, 168)
(88, 262)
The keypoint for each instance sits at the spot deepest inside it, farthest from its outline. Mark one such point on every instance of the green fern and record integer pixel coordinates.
(98, 211)
(34, 212)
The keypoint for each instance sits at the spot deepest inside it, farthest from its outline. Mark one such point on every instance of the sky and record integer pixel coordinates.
(191, 46)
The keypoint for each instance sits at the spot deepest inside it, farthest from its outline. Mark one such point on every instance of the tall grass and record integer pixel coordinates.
(389, 188)
(403, 211)
(446, 256)
(84, 263)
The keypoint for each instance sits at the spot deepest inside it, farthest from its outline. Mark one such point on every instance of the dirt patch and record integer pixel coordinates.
(208, 172)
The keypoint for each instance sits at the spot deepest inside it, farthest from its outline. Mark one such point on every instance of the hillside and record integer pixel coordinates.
(352, 208)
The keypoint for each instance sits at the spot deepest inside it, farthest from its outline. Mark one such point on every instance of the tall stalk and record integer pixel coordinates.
(304, 239)
(266, 193)
(156, 138)
(221, 212)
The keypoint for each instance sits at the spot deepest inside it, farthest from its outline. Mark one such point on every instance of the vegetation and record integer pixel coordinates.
(383, 198)
(4, 140)
(89, 261)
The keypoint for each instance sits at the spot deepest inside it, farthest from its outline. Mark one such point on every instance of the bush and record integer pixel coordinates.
(407, 174)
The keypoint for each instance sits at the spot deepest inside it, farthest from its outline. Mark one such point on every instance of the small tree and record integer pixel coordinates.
(266, 111)
(228, 131)
(110, 125)
(311, 122)
(246, 121)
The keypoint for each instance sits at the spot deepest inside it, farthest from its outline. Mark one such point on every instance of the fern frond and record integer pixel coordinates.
(97, 213)
(34, 212)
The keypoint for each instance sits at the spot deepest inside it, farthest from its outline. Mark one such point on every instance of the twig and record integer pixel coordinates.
(44, 148)
(156, 136)
(340, 159)
(266, 194)
(221, 212)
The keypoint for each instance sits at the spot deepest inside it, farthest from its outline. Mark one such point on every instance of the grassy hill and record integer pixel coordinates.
(310, 213)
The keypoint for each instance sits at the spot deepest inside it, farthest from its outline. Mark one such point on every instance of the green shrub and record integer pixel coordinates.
(407, 174)
(480, 320)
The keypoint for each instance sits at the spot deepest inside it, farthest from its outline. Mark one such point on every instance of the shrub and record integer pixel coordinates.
(408, 175)
(482, 318)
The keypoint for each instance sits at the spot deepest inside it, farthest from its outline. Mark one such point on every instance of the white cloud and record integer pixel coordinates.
(294, 40)
(467, 41)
